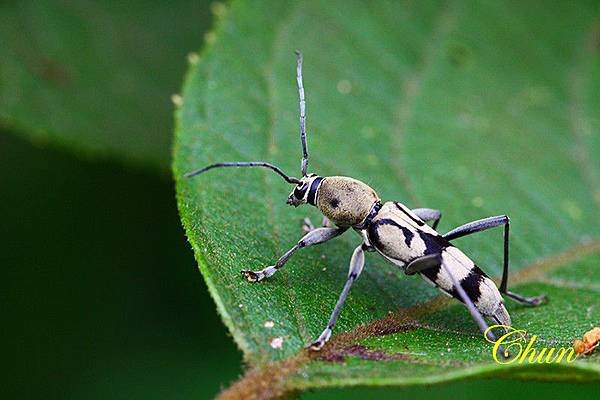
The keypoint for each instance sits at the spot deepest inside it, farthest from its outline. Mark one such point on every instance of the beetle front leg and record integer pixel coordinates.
(357, 263)
(316, 236)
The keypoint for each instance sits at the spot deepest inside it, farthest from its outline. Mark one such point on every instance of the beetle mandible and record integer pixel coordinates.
(398, 233)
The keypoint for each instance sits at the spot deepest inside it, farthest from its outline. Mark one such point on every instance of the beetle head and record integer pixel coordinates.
(304, 190)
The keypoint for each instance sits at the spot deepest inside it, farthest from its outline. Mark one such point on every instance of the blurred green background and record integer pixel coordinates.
(101, 294)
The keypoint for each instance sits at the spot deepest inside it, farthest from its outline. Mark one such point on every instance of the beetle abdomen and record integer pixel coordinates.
(476, 284)
(345, 201)
(401, 237)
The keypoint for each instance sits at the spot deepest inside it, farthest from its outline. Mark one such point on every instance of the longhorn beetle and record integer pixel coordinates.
(399, 234)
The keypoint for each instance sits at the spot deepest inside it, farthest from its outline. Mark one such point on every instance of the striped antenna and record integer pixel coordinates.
(288, 179)
(304, 164)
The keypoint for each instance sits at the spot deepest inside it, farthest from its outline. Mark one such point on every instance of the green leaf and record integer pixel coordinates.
(474, 108)
(97, 77)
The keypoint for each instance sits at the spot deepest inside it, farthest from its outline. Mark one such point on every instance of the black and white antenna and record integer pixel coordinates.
(304, 164)
(288, 179)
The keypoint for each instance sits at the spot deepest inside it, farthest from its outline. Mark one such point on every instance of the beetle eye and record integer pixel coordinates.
(300, 191)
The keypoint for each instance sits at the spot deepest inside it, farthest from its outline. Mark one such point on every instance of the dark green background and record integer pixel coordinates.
(101, 294)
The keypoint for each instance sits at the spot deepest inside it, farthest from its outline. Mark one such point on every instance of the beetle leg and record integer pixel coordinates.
(429, 214)
(308, 226)
(357, 263)
(316, 236)
(492, 222)
(472, 309)
(422, 263)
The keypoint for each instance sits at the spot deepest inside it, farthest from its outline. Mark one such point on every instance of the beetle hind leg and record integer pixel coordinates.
(487, 223)
(531, 301)
(499, 315)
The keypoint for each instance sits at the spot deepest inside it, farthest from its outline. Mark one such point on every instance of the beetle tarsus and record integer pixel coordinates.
(318, 344)
(252, 276)
(530, 301)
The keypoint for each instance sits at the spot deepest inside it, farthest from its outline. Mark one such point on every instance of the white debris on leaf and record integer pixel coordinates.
(218, 8)
(344, 86)
(177, 100)
(193, 58)
(277, 342)
(210, 37)
(269, 324)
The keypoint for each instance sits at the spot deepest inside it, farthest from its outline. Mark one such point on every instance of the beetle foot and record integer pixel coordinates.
(531, 301)
(257, 276)
(320, 342)
(537, 300)
(251, 275)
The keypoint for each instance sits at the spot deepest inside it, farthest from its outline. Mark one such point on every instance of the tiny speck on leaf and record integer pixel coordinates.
(218, 8)
(210, 37)
(177, 100)
(269, 324)
(193, 58)
(277, 342)
(344, 86)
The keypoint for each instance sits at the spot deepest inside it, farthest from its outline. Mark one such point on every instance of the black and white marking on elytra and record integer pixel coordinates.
(393, 230)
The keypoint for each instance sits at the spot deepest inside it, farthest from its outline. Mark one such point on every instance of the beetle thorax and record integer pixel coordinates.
(345, 201)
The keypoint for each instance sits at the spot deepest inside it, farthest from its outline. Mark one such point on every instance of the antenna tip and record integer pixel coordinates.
(191, 174)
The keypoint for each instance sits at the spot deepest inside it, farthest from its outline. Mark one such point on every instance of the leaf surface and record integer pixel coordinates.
(474, 108)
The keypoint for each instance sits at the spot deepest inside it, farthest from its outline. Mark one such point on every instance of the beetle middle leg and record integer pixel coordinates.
(357, 263)
(492, 222)
(315, 236)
